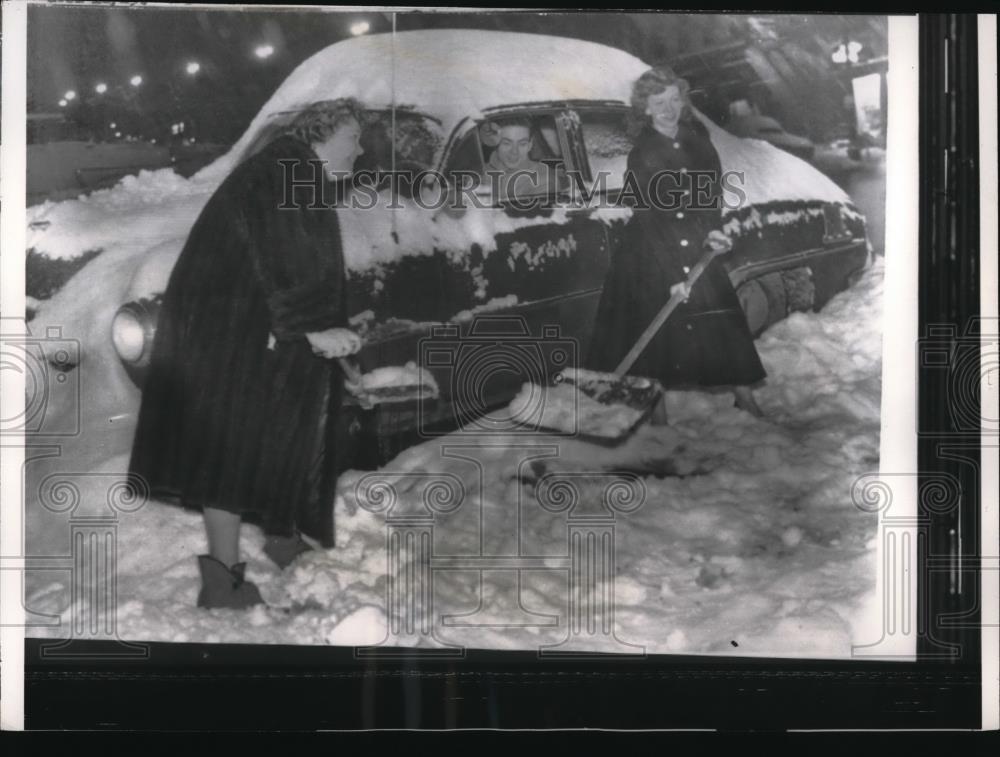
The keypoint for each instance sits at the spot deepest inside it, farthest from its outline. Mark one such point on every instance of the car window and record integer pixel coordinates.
(520, 155)
(417, 139)
(607, 144)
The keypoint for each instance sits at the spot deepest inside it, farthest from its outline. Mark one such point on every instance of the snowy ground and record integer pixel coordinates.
(757, 550)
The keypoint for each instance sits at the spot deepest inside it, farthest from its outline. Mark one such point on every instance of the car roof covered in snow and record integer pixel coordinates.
(450, 74)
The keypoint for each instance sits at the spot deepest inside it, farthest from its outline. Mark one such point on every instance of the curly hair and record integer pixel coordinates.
(653, 82)
(317, 121)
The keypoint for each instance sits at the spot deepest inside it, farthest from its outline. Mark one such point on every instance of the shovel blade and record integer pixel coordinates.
(599, 406)
(634, 392)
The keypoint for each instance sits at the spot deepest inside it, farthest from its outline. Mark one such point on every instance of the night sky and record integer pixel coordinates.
(77, 47)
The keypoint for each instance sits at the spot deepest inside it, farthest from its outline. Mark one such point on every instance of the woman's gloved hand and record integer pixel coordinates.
(681, 288)
(716, 240)
(334, 343)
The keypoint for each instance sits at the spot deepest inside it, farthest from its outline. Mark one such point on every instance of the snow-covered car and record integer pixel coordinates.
(486, 298)
(753, 126)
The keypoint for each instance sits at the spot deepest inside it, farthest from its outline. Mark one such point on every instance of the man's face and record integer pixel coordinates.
(515, 144)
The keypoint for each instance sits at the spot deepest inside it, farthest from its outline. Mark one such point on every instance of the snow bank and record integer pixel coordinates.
(751, 546)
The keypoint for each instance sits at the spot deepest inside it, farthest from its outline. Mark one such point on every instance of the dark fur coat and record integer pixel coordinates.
(228, 421)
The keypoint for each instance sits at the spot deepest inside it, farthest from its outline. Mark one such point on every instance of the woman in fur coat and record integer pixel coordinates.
(239, 408)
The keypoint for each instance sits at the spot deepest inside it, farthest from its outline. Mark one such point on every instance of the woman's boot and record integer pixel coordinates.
(284, 549)
(225, 587)
(745, 401)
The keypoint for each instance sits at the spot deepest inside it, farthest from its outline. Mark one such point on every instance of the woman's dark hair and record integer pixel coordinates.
(653, 82)
(321, 119)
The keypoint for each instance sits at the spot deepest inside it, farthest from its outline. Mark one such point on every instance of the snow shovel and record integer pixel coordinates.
(389, 384)
(608, 406)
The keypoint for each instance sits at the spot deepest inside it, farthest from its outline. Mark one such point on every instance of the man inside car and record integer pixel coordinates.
(510, 167)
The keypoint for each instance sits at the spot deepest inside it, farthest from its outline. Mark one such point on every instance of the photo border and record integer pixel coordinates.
(258, 687)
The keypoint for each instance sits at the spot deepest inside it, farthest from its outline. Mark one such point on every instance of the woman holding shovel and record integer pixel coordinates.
(706, 341)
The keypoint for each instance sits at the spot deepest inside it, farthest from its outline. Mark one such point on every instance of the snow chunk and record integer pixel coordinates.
(366, 625)
(565, 408)
(395, 376)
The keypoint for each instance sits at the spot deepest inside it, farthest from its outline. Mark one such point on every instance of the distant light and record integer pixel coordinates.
(264, 51)
(101, 88)
(360, 27)
(118, 133)
(112, 125)
(193, 67)
(63, 103)
(847, 52)
(135, 81)
(153, 141)
(71, 95)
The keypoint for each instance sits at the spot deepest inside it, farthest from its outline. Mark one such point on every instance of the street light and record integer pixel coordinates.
(360, 27)
(135, 81)
(847, 51)
(63, 103)
(101, 88)
(71, 95)
(193, 67)
(264, 51)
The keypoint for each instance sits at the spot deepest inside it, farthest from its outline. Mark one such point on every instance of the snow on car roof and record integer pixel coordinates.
(450, 74)
(453, 74)
(498, 68)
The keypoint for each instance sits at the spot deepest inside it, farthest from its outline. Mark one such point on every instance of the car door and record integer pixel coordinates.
(550, 255)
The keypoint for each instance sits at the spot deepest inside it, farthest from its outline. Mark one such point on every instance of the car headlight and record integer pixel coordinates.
(132, 331)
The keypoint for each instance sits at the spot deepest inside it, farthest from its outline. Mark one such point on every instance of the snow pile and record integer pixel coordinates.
(566, 409)
(139, 212)
(733, 535)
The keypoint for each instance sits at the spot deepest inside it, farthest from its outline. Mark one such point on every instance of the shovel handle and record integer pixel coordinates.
(351, 371)
(353, 375)
(643, 341)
